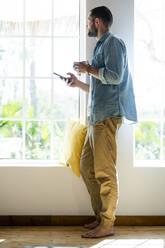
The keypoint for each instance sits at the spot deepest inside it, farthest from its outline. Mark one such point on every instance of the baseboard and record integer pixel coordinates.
(140, 221)
(27, 220)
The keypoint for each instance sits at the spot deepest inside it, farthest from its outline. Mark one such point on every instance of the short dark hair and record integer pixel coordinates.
(104, 14)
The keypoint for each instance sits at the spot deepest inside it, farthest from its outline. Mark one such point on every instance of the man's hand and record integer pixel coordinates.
(73, 81)
(81, 67)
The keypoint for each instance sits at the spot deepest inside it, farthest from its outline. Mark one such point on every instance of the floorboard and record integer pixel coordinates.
(125, 237)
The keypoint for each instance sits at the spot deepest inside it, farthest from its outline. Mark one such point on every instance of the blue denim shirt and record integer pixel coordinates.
(113, 94)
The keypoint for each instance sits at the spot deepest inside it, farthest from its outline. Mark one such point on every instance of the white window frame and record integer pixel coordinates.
(82, 96)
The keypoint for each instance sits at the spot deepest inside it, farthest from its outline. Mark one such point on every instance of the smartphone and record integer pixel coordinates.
(62, 77)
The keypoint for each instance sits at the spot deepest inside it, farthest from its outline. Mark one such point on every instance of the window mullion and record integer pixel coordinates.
(23, 110)
(162, 92)
(52, 86)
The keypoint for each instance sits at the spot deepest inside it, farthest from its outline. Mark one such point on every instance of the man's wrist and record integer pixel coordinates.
(91, 70)
(88, 70)
(78, 82)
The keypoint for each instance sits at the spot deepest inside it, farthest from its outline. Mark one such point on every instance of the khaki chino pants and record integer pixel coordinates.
(98, 168)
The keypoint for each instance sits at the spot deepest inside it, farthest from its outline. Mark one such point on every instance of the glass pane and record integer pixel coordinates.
(149, 60)
(147, 107)
(38, 98)
(38, 17)
(66, 17)
(37, 140)
(11, 98)
(11, 57)
(58, 144)
(164, 141)
(163, 94)
(66, 51)
(11, 17)
(66, 101)
(10, 139)
(148, 140)
(38, 57)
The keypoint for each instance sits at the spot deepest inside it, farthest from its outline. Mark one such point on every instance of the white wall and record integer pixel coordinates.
(56, 191)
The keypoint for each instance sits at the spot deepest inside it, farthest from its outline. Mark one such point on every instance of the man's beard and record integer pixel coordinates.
(93, 32)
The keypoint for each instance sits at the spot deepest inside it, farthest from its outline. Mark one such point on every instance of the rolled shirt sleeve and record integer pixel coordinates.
(114, 59)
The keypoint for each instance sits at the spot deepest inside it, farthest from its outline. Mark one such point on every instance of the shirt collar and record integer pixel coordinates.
(103, 38)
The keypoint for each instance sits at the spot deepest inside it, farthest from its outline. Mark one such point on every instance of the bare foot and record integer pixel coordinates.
(99, 232)
(92, 224)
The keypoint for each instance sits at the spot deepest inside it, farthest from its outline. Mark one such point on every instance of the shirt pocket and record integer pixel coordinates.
(98, 60)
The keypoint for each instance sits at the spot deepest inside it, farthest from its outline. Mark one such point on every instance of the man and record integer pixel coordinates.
(111, 101)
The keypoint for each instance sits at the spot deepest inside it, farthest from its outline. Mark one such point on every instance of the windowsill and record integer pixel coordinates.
(149, 164)
(55, 163)
(31, 163)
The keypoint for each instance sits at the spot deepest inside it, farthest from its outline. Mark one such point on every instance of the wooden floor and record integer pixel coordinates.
(125, 237)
